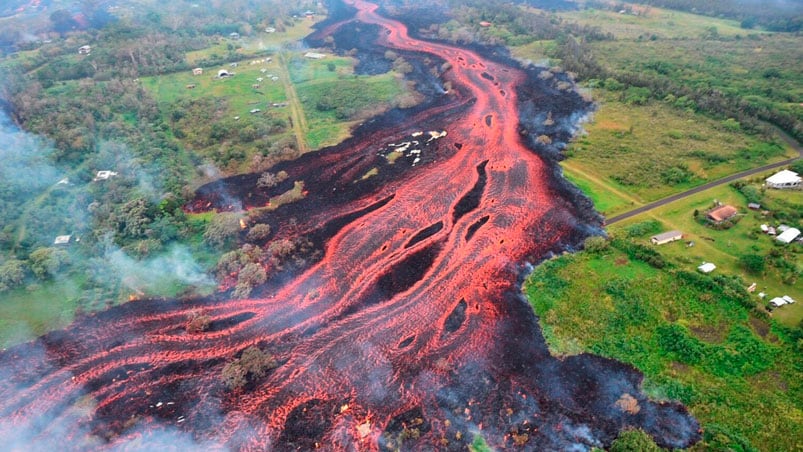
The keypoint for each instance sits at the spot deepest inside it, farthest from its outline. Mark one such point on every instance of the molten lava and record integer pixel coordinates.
(409, 331)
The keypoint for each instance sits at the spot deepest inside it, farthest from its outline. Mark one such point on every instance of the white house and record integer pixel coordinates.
(707, 267)
(788, 235)
(784, 179)
(666, 237)
(84, 50)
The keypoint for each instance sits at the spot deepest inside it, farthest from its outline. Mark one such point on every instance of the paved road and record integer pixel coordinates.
(662, 202)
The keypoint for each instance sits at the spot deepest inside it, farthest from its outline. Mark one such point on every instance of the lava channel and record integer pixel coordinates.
(407, 331)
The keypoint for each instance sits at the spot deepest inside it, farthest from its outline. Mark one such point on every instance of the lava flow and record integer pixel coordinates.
(407, 331)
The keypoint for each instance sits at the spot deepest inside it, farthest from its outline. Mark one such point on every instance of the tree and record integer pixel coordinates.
(249, 277)
(270, 180)
(258, 232)
(12, 273)
(252, 364)
(222, 229)
(753, 263)
(46, 262)
(198, 322)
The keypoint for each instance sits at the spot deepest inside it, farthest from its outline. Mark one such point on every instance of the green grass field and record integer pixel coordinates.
(663, 23)
(693, 339)
(648, 152)
(257, 44)
(25, 314)
(237, 90)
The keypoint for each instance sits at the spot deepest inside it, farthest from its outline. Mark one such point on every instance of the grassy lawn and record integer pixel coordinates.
(694, 338)
(607, 200)
(724, 248)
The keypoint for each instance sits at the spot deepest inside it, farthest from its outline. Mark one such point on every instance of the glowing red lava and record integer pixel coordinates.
(409, 331)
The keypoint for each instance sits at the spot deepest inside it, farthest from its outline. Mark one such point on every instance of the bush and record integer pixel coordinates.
(753, 263)
(595, 244)
(222, 229)
(675, 339)
(258, 232)
(634, 440)
(252, 365)
(197, 322)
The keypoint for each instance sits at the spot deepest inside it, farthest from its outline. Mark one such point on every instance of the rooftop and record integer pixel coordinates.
(722, 213)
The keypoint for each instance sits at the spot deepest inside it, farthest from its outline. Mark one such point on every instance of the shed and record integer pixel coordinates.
(485, 24)
(62, 240)
(722, 213)
(223, 73)
(234, 35)
(666, 237)
(788, 235)
(314, 55)
(788, 299)
(707, 267)
(84, 50)
(754, 206)
(784, 180)
(777, 302)
(198, 71)
(270, 30)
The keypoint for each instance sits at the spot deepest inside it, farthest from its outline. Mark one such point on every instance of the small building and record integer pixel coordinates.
(722, 213)
(255, 86)
(752, 287)
(707, 267)
(223, 73)
(788, 235)
(198, 71)
(485, 24)
(62, 240)
(104, 175)
(233, 65)
(190, 86)
(234, 35)
(777, 302)
(255, 111)
(754, 206)
(270, 30)
(784, 180)
(788, 299)
(84, 50)
(666, 237)
(314, 55)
